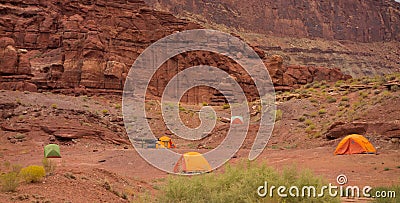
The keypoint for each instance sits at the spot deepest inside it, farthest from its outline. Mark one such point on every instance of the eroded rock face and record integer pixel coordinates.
(76, 47)
(362, 21)
(387, 130)
(79, 43)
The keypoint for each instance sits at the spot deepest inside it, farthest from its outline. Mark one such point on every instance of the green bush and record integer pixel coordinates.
(302, 119)
(32, 174)
(395, 188)
(9, 181)
(240, 183)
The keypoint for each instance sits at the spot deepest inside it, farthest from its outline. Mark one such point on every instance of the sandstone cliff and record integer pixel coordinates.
(363, 21)
(88, 46)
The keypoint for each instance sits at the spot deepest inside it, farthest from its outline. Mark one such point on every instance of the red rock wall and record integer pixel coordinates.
(362, 21)
(70, 46)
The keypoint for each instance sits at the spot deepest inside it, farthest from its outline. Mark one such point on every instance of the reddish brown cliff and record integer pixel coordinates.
(363, 21)
(88, 46)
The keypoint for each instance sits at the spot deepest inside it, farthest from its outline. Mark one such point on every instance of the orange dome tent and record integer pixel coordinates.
(192, 162)
(355, 144)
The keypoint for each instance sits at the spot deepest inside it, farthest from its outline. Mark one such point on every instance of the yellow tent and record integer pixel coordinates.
(192, 162)
(165, 142)
(355, 144)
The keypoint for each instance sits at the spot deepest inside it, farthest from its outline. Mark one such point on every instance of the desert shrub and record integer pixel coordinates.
(394, 188)
(54, 106)
(32, 173)
(278, 115)
(308, 122)
(104, 111)
(363, 94)
(394, 88)
(49, 166)
(345, 98)
(302, 119)
(322, 111)
(226, 106)
(240, 183)
(204, 104)
(9, 181)
(316, 85)
(331, 99)
(181, 108)
(338, 83)
(310, 128)
(308, 85)
(117, 106)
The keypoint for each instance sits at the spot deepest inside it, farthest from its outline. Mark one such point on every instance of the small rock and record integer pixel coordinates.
(102, 161)
(126, 147)
(395, 140)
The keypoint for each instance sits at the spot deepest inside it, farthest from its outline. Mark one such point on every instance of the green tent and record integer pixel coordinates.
(52, 151)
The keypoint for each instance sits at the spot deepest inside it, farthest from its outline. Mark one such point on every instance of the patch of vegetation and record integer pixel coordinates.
(32, 174)
(308, 122)
(302, 119)
(345, 98)
(322, 111)
(331, 99)
(204, 104)
(316, 85)
(310, 128)
(226, 106)
(363, 94)
(339, 83)
(391, 190)
(278, 115)
(104, 111)
(394, 88)
(239, 183)
(117, 106)
(9, 181)
(181, 108)
(54, 106)
(49, 166)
